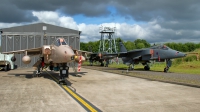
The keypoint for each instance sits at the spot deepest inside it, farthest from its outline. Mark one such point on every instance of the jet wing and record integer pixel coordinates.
(122, 54)
(154, 58)
(92, 54)
(136, 57)
(137, 50)
(110, 55)
(80, 52)
(33, 51)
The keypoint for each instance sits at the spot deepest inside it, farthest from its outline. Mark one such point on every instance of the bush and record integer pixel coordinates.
(185, 59)
(190, 58)
(178, 61)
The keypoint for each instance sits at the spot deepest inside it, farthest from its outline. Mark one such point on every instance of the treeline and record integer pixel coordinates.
(140, 43)
(184, 47)
(94, 46)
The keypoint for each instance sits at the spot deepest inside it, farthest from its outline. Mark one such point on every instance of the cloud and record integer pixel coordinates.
(154, 21)
(55, 19)
(178, 33)
(90, 32)
(151, 31)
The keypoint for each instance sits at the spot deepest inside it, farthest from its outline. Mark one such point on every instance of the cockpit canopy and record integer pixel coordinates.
(163, 47)
(60, 41)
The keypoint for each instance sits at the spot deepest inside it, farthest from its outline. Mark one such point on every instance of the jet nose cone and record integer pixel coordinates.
(180, 54)
(183, 54)
(72, 57)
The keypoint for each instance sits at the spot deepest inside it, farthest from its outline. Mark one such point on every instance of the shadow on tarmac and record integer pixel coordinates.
(45, 74)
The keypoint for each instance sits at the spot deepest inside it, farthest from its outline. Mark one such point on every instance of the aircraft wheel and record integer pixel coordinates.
(146, 68)
(34, 73)
(165, 69)
(6, 68)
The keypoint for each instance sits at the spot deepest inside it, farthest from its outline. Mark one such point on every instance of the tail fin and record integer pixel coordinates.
(122, 47)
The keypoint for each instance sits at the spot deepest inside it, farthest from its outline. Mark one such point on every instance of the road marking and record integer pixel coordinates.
(76, 96)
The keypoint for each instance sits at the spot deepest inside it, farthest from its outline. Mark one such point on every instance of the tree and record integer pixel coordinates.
(140, 45)
(83, 46)
(191, 46)
(117, 40)
(145, 43)
(185, 48)
(129, 45)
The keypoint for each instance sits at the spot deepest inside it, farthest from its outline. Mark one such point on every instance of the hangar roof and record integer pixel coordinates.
(38, 27)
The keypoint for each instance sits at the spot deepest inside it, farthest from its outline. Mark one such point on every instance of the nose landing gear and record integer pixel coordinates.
(168, 64)
(64, 72)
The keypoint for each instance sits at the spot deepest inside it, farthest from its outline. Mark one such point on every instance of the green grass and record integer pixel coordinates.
(190, 67)
(184, 67)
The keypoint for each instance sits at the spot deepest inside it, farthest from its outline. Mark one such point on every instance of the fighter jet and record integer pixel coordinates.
(58, 54)
(158, 53)
(101, 57)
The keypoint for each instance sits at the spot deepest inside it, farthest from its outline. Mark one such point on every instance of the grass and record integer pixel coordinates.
(190, 67)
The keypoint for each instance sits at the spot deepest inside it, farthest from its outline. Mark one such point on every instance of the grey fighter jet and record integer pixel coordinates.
(58, 54)
(101, 57)
(159, 53)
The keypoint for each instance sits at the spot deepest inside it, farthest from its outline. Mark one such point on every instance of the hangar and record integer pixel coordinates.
(33, 36)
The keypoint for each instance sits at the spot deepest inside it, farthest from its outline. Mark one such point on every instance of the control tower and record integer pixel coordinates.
(107, 42)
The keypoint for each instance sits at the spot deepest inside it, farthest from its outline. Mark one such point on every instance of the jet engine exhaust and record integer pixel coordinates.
(13, 58)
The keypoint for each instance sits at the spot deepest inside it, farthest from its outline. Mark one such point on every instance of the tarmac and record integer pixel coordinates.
(92, 90)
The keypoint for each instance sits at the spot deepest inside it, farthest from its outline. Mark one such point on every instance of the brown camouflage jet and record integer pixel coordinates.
(56, 55)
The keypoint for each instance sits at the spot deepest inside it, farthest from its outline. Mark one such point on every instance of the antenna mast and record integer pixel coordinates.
(107, 42)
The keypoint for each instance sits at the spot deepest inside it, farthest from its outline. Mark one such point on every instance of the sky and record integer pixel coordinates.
(156, 21)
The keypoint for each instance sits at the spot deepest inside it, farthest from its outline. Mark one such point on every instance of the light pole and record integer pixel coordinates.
(1, 32)
(45, 37)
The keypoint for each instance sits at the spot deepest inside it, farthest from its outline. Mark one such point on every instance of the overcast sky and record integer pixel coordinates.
(156, 21)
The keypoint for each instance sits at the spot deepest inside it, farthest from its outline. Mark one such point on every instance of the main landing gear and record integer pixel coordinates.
(91, 62)
(107, 62)
(130, 67)
(102, 64)
(146, 66)
(38, 72)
